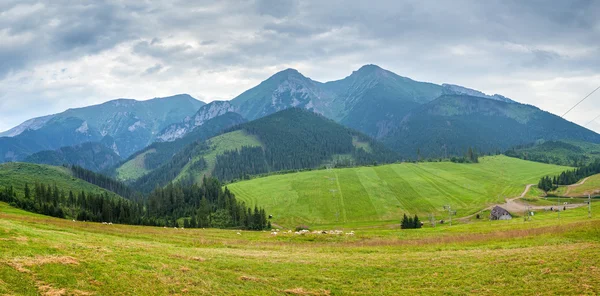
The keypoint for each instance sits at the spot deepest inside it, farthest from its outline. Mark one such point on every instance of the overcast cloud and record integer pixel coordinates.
(56, 54)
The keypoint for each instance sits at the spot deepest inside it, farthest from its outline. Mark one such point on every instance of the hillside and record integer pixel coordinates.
(160, 153)
(563, 152)
(452, 123)
(371, 99)
(292, 139)
(91, 156)
(19, 174)
(381, 193)
(131, 124)
(588, 186)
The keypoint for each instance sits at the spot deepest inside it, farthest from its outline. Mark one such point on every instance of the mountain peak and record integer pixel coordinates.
(288, 73)
(370, 68)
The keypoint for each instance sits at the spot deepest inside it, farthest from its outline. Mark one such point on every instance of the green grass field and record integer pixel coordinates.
(546, 256)
(18, 174)
(134, 168)
(218, 145)
(384, 193)
(591, 186)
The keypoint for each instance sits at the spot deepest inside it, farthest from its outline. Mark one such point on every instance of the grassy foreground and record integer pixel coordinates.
(546, 256)
(384, 193)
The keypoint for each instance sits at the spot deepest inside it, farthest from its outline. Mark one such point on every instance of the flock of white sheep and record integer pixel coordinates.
(316, 232)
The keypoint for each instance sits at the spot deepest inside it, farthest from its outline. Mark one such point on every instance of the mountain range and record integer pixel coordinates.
(405, 115)
(127, 125)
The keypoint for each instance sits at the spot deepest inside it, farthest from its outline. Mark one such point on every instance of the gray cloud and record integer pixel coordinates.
(538, 52)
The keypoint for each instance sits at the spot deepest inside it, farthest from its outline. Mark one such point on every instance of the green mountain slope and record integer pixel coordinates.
(131, 124)
(565, 152)
(92, 156)
(18, 174)
(382, 193)
(452, 123)
(372, 98)
(160, 153)
(292, 139)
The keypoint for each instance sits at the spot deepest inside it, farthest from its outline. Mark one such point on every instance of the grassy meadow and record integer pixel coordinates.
(546, 256)
(384, 193)
(134, 168)
(590, 186)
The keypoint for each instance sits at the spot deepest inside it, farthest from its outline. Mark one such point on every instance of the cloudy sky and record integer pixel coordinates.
(60, 54)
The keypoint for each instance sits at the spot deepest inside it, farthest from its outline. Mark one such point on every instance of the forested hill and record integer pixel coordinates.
(564, 152)
(54, 191)
(451, 123)
(92, 156)
(296, 139)
(292, 139)
(160, 153)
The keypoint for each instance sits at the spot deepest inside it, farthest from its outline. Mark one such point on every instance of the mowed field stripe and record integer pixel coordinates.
(402, 190)
(341, 199)
(357, 203)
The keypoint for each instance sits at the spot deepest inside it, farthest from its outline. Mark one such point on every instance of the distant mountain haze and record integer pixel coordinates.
(131, 125)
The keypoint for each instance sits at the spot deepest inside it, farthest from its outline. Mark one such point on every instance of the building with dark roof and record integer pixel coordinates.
(499, 213)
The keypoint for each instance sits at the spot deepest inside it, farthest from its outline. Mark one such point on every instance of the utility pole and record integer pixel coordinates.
(431, 219)
(450, 213)
(558, 206)
(589, 206)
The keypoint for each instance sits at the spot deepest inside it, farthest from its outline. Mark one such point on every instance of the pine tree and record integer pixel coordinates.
(416, 222)
(27, 192)
(404, 223)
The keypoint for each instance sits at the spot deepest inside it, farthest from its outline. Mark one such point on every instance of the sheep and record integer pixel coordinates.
(109, 223)
(274, 233)
(73, 220)
(239, 233)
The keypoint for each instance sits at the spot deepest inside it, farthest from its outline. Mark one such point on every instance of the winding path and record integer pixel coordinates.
(575, 185)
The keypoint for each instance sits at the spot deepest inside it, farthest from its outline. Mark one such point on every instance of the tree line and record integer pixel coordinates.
(105, 182)
(205, 205)
(50, 200)
(471, 156)
(569, 177)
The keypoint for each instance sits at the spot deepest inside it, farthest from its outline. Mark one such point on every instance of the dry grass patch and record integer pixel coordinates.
(193, 258)
(20, 263)
(302, 291)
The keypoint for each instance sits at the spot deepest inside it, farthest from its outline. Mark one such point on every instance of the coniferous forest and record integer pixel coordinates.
(296, 139)
(205, 205)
